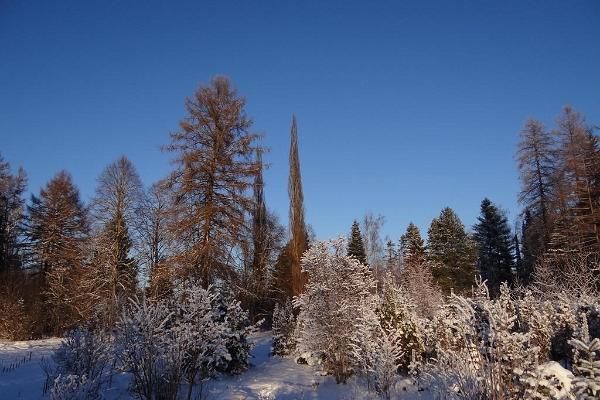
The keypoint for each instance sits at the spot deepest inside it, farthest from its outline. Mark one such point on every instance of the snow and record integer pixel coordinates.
(268, 377)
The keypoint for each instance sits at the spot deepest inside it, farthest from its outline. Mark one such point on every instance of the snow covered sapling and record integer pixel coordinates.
(284, 324)
(81, 365)
(150, 350)
(337, 309)
(586, 384)
(236, 320)
(201, 334)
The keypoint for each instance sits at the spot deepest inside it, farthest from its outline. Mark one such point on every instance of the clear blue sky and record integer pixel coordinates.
(403, 107)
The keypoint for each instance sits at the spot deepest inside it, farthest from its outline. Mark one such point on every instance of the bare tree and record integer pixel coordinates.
(371, 232)
(215, 168)
(113, 275)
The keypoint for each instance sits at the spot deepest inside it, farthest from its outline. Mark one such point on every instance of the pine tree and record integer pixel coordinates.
(356, 248)
(494, 240)
(391, 254)
(214, 154)
(57, 228)
(299, 239)
(12, 207)
(452, 252)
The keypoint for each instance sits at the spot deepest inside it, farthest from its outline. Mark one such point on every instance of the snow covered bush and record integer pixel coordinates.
(81, 365)
(284, 324)
(150, 349)
(586, 384)
(399, 320)
(337, 310)
(239, 328)
(549, 381)
(379, 358)
(199, 332)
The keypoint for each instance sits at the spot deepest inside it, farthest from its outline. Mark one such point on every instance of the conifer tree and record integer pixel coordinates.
(494, 240)
(537, 165)
(215, 170)
(57, 228)
(299, 239)
(392, 261)
(452, 252)
(412, 247)
(356, 248)
(12, 207)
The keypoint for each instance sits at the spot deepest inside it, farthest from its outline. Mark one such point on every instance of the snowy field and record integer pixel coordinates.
(22, 377)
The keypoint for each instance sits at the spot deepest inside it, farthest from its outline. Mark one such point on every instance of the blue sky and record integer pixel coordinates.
(403, 107)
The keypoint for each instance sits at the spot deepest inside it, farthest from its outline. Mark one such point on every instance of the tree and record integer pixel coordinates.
(152, 245)
(356, 248)
(494, 240)
(57, 228)
(452, 252)
(337, 310)
(299, 236)
(578, 190)
(536, 156)
(391, 257)
(371, 233)
(215, 169)
(412, 247)
(118, 197)
(12, 207)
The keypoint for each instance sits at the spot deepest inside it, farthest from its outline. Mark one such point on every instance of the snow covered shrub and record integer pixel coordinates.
(548, 381)
(533, 317)
(379, 357)
(337, 310)
(81, 365)
(238, 325)
(586, 384)
(74, 387)
(399, 320)
(200, 333)
(150, 349)
(284, 324)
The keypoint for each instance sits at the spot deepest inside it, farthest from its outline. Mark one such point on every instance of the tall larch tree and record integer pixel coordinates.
(212, 183)
(536, 158)
(297, 226)
(452, 253)
(12, 208)
(494, 240)
(57, 229)
(119, 195)
(356, 247)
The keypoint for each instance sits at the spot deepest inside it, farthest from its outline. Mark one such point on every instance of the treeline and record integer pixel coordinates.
(64, 263)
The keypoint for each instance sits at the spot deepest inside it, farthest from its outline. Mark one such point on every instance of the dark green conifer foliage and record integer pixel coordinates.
(494, 240)
(452, 253)
(356, 247)
(412, 246)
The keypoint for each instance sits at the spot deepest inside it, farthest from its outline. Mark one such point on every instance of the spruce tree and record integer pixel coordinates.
(12, 208)
(452, 252)
(494, 240)
(356, 248)
(412, 247)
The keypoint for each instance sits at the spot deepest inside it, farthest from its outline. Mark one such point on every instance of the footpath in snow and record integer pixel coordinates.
(22, 377)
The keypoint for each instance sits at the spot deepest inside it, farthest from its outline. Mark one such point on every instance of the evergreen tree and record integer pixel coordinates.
(412, 247)
(391, 256)
(12, 207)
(519, 260)
(215, 171)
(57, 229)
(356, 248)
(494, 240)
(299, 237)
(452, 253)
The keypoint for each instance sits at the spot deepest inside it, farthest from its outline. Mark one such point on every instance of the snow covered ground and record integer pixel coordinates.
(22, 377)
